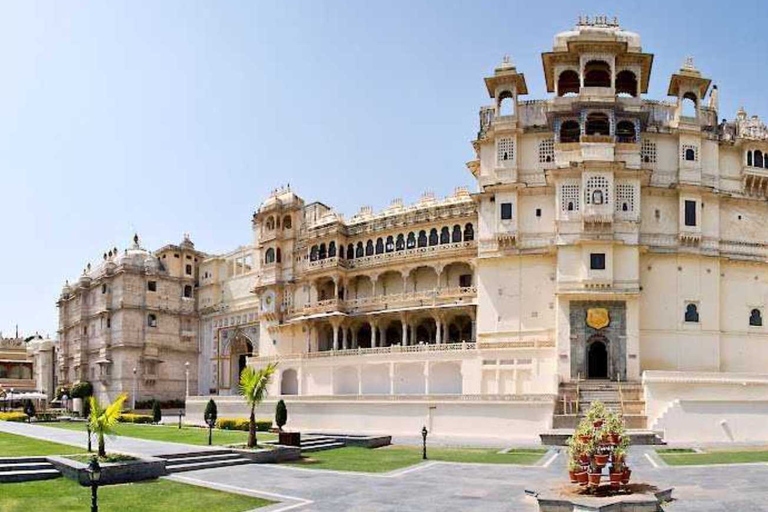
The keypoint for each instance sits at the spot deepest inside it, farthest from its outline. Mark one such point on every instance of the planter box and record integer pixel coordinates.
(289, 438)
(277, 453)
(146, 468)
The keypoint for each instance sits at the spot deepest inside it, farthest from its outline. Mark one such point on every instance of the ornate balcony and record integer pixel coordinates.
(755, 181)
(417, 253)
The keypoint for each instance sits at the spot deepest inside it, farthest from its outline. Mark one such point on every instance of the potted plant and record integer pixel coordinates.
(601, 459)
(615, 427)
(596, 414)
(574, 467)
(584, 432)
(594, 475)
(625, 475)
(617, 467)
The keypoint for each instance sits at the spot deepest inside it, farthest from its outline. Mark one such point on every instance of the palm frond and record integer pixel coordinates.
(254, 383)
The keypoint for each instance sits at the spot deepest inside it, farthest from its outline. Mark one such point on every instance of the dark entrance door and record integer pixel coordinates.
(597, 360)
(241, 361)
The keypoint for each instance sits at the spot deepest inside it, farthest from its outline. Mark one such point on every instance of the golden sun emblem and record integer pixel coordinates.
(597, 318)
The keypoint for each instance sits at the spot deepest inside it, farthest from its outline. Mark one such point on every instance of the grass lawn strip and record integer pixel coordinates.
(12, 445)
(154, 496)
(383, 460)
(679, 458)
(172, 433)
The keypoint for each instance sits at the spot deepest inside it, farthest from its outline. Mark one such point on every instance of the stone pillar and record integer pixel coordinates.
(438, 330)
(359, 380)
(335, 326)
(414, 341)
(391, 378)
(374, 329)
(426, 377)
(344, 340)
(404, 328)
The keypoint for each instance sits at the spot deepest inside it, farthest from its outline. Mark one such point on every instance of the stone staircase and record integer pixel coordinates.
(180, 462)
(26, 469)
(316, 443)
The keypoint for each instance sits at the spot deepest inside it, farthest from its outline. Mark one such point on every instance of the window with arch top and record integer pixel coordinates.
(400, 242)
(626, 83)
(322, 253)
(269, 256)
(689, 104)
(332, 249)
(598, 124)
(350, 252)
(568, 83)
(692, 313)
(410, 241)
(287, 223)
(469, 232)
(369, 248)
(755, 318)
(506, 104)
(570, 131)
(359, 250)
(422, 242)
(389, 246)
(433, 237)
(597, 73)
(379, 246)
(625, 132)
(151, 320)
(456, 234)
(445, 235)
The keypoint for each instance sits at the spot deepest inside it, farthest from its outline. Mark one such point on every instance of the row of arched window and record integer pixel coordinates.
(598, 123)
(272, 256)
(597, 73)
(756, 158)
(401, 242)
(272, 223)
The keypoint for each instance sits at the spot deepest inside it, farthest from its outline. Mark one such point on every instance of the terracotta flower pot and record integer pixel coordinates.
(625, 476)
(615, 438)
(594, 479)
(617, 460)
(572, 475)
(584, 459)
(616, 479)
(598, 423)
(581, 477)
(601, 459)
(584, 438)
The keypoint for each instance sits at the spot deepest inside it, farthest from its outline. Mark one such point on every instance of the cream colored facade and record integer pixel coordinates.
(611, 238)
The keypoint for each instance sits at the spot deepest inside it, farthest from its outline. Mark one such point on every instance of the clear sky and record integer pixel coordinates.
(167, 117)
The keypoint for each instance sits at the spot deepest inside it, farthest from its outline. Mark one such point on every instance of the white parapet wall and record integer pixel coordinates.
(516, 418)
(707, 407)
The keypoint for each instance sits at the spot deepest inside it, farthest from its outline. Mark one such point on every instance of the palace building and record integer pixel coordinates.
(613, 248)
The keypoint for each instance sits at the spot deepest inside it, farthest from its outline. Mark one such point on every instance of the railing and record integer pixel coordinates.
(392, 349)
(414, 253)
(621, 393)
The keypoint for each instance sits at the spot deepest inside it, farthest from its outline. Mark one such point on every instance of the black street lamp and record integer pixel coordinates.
(424, 433)
(179, 419)
(94, 475)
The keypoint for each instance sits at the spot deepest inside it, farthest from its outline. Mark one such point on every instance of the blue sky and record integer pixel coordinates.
(180, 116)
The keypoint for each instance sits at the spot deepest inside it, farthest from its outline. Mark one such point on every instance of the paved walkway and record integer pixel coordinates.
(439, 486)
(129, 445)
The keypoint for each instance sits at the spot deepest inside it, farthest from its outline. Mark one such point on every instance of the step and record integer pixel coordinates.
(637, 437)
(11, 460)
(310, 442)
(571, 421)
(28, 475)
(202, 458)
(201, 453)
(24, 466)
(192, 466)
(320, 447)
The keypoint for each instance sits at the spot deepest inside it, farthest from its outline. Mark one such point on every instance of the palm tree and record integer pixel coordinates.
(103, 419)
(253, 387)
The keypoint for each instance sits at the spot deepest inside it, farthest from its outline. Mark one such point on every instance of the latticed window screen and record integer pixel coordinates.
(690, 153)
(505, 149)
(547, 151)
(569, 197)
(648, 152)
(625, 197)
(597, 190)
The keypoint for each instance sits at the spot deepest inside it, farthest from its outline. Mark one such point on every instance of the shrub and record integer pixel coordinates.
(211, 413)
(29, 408)
(164, 404)
(135, 418)
(61, 391)
(157, 413)
(281, 415)
(21, 417)
(82, 389)
(242, 424)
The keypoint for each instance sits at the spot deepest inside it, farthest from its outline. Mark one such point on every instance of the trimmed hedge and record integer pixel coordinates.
(164, 404)
(19, 416)
(135, 418)
(82, 389)
(242, 424)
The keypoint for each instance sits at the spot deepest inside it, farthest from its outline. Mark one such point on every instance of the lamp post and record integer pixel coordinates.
(94, 475)
(186, 371)
(424, 433)
(133, 395)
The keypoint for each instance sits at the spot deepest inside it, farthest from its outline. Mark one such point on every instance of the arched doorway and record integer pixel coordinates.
(241, 349)
(597, 359)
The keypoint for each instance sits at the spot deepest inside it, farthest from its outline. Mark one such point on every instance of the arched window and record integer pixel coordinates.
(151, 320)
(626, 83)
(188, 291)
(624, 207)
(332, 249)
(690, 155)
(369, 248)
(625, 132)
(400, 243)
(287, 223)
(506, 104)
(597, 73)
(758, 158)
(379, 246)
(313, 253)
(755, 318)
(422, 238)
(433, 237)
(359, 251)
(279, 257)
(597, 197)
(445, 235)
(350, 252)
(456, 234)
(469, 232)
(322, 253)
(570, 131)
(270, 223)
(749, 158)
(689, 105)
(269, 256)
(389, 246)
(691, 313)
(598, 124)
(570, 206)
(568, 83)
(410, 241)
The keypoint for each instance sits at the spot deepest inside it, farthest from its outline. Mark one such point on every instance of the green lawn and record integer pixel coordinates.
(64, 495)
(381, 460)
(12, 445)
(714, 457)
(172, 434)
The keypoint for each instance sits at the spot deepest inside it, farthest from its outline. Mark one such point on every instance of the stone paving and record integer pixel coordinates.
(443, 486)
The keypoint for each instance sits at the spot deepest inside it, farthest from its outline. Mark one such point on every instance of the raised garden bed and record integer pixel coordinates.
(136, 470)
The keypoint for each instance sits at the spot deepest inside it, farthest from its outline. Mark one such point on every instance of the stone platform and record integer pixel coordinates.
(559, 437)
(637, 498)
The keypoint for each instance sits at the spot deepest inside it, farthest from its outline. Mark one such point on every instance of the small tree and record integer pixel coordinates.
(103, 419)
(157, 413)
(210, 415)
(253, 387)
(29, 409)
(281, 415)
